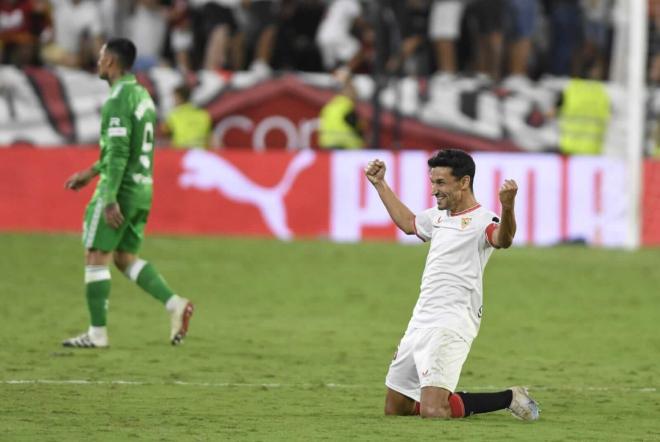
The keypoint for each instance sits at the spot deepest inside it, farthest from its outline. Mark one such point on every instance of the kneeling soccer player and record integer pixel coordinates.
(424, 373)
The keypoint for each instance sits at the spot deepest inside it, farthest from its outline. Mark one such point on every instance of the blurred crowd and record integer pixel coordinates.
(493, 38)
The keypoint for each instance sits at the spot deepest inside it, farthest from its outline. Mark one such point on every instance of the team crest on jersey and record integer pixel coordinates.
(115, 122)
(465, 221)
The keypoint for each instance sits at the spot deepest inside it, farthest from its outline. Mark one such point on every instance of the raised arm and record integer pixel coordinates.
(400, 214)
(504, 233)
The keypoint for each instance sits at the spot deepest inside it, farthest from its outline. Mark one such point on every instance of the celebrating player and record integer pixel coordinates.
(423, 375)
(117, 213)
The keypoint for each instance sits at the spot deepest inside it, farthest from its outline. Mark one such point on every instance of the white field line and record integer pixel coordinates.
(584, 388)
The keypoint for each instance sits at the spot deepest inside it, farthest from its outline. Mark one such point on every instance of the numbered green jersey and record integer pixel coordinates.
(128, 119)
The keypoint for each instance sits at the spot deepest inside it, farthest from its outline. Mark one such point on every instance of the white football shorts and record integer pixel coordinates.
(445, 22)
(427, 357)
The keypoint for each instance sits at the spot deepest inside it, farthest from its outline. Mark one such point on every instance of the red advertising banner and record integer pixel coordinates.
(651, 203)
(312, 194)
(236, 193)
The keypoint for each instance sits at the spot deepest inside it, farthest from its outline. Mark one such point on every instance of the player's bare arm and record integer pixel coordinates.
(504, 233)
(400, 214)
(80, 179)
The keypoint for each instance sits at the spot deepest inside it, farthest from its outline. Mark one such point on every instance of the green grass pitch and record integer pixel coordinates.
(291, 341)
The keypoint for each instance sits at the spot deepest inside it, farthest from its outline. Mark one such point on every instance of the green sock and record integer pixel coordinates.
(147, 277)
(97, 291)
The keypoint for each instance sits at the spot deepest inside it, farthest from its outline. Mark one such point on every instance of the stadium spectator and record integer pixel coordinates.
(180, 43)
(214, 29)
(565, 20)
(109, 11)
(412, 17)
(340, 50)
(597, 25)
(339, 124)
(486, 18)
(444, 31)
(259, 22)
(147, 27)
(78, 34)
(424, 372)
(523, 15)
(117, 214)
(296, 46)
(187, 125)
(22, 23)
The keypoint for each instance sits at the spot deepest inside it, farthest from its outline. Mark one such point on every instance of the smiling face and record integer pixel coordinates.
(450, 192)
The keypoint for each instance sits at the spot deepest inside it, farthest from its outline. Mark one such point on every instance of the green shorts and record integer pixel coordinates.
(100, 236)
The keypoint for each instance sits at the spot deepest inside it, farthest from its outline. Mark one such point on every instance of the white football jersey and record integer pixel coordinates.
(451, 293)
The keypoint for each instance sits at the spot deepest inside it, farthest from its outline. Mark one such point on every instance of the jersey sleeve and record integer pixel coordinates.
(491, 222)
(423, 225)
(118, 123)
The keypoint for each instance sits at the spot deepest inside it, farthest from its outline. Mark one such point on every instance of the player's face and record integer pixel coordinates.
(103, 63)
(447, 189)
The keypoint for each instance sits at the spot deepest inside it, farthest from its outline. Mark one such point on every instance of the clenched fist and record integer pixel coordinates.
(375, 171)
(508, 193)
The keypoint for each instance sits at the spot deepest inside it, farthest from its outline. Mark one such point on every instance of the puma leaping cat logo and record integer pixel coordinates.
(207, 171)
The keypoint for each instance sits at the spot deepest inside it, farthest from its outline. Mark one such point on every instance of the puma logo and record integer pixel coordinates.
(207, 171)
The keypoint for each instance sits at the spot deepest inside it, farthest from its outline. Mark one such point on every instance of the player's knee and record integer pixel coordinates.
(391, 410)
(121, 261)
(394, 409)
(435, 411)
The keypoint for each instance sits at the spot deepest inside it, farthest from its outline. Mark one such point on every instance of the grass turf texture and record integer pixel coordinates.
(580, 326)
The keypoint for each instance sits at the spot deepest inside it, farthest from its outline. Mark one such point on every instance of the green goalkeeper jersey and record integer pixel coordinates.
(128, 119)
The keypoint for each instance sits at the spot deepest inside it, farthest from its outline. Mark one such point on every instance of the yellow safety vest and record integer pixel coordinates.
(334, 131)
(190, 126)
(583, 117)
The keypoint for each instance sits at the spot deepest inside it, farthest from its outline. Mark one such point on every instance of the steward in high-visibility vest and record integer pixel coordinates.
(583, 117)
(188, 125)
(339, 126)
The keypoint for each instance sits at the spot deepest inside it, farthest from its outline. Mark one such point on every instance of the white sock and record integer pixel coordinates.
(133, 270)
(94, 273)
(171, 303)
(98, 332)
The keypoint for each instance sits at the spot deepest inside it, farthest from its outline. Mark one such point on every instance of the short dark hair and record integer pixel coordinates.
(183, 91)
(460, 163)
(124, 49)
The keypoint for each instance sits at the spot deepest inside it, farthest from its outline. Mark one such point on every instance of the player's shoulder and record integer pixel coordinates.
(129, 91)
(431, 213)
(487, 216)
(130, 96)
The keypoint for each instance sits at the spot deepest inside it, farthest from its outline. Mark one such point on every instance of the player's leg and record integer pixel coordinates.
(397, 404)
(145, 275)
(438, 402)
(439, 358)
(99, 240)
(402, 398)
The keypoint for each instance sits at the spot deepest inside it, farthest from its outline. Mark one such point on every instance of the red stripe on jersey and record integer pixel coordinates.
(489, 233)
(463, 212)
(415, 229)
